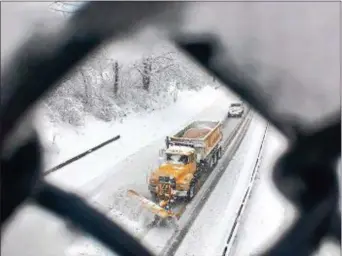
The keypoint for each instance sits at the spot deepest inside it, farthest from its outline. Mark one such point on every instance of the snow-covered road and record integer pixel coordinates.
(208, 233)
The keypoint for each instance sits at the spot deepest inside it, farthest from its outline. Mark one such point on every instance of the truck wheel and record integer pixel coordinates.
(219, 153)
(154, 197)
(214, 159)
(191, 192)
(211, 162)
(217, 156)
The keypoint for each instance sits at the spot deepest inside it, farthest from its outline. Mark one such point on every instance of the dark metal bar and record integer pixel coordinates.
(37, 68)
(75, 158)
(71, 207)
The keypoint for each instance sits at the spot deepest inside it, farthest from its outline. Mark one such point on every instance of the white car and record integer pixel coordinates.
(236, 110)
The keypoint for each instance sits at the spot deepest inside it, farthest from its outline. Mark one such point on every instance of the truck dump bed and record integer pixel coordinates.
(203, 136)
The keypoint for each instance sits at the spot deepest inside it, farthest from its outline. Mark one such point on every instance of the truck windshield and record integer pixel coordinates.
(176, 159)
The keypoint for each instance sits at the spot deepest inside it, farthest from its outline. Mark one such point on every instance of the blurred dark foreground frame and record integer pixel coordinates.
(306, 174)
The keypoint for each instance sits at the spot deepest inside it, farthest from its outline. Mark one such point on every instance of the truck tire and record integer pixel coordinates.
(154, 197)
(214, 159)
(192, 191)
(219, 153)
(211, 163)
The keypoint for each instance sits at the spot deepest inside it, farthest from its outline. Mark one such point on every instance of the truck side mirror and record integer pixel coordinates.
(161, 156)
(161, 152)
(167, 142)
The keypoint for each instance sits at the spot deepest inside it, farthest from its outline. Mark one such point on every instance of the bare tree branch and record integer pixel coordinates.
(159, 70)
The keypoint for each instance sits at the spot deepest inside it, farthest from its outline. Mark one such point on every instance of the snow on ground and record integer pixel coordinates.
(267, 212)
(136, 132)
(208, 234)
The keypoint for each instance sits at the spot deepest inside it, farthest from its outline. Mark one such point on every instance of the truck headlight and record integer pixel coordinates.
(172, 182)
(153, 179)
(181, 186)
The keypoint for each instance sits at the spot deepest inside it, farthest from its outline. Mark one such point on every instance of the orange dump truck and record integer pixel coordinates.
(190, 152)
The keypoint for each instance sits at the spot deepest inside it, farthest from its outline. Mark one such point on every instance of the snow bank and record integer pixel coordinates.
(267, 212)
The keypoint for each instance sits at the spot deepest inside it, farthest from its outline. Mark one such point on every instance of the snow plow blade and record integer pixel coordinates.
(151, 206)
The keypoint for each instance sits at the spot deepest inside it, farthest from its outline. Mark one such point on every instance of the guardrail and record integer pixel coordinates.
(233, 232)
(75, 158)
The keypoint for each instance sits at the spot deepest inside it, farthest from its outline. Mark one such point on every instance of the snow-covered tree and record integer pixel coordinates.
(109, 89)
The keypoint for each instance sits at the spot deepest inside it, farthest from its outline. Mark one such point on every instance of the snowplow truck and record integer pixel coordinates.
(190, 152)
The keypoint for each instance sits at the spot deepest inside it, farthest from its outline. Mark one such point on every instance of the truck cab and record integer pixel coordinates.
(189, 152)
(174, 175)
